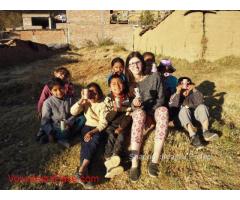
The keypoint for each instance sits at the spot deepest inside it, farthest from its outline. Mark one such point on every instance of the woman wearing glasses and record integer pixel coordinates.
(147, 104)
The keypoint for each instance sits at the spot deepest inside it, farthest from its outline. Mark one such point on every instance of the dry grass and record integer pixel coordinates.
(182, 167)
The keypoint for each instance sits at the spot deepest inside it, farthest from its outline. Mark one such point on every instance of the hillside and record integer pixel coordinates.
(214, 167)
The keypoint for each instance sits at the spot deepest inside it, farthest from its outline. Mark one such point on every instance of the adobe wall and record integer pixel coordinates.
(178, 36)
(223, 34)
(181, 36)
(90, 25)
(43, 36)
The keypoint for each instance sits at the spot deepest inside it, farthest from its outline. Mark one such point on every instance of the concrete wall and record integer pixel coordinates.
(43, 36)
(181, 36)
(223, 34)
(90, 25)
(177, 36)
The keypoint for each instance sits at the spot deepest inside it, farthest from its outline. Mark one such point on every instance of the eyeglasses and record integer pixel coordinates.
(134, 63)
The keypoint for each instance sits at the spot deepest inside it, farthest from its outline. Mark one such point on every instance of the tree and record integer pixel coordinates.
(147, 18)
(10, 19)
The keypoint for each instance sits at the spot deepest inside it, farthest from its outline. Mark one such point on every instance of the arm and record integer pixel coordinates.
(197, 97)
(46, 118)
(102, 118)
(160, 93)
(44, 95)
(77, 108)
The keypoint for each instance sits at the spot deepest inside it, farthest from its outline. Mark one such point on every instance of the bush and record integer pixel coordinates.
(104, 41)
(147, 18)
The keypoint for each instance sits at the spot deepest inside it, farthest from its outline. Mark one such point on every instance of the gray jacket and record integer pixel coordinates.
(53, 111)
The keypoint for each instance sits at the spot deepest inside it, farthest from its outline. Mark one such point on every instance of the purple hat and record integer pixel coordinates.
(166, 66)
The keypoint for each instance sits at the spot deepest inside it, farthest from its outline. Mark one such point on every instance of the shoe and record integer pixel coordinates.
(44, 139)
(208, 136)
(114, 172)
(40, 133)
(134, 174)
(64, 143)
(114, 161)
(81, 179)
(153, 169)
(196, 142)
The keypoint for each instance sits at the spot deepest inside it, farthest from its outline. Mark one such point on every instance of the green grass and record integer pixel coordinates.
(182, 167)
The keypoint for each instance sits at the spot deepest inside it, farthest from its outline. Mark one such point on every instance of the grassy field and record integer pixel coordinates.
(182, 167)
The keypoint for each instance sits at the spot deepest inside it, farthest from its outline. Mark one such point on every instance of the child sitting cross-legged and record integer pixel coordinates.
(119, 123)
(56, 120)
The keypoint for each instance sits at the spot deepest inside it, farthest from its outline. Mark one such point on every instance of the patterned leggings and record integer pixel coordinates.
(139, 119)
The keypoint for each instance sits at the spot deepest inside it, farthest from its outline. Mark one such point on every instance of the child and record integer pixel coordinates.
(149, 59)
(56, 119)
(190, 101)
(118, 67)
(170, 83)
(119, 119)
(95, 113)
(64, 75)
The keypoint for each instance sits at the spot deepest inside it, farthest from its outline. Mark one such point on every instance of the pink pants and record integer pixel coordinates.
(139, 119)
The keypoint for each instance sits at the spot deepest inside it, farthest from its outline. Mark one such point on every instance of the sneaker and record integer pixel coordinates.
(153, 169)
(81, 179)
(134, 174)
(114, 172)
(208, 136)
(40, 133)
(64, 143)
(196, 142)
(114, 161)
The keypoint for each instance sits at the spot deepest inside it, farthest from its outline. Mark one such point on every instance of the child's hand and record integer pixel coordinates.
(179, 88)
(88, 137)
(83, 102)
(191, 87)
(137, 102)
(118, 130)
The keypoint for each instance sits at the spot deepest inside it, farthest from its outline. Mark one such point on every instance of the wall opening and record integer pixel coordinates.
(40, 21)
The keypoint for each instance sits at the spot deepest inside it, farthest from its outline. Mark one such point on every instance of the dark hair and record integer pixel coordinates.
(116, 60)
(55, 81)
(139, 56)
(98, 88)
(181, 79)
(63, 70)
(122, 78)
(147, 53)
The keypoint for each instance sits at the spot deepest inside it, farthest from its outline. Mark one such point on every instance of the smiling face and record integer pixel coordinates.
(57, 91)
(116, 86)
(135, 66)
(117, 68)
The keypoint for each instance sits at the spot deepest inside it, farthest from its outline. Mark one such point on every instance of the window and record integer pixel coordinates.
(40, 21)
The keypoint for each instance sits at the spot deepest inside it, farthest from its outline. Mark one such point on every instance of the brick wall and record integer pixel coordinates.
(43, 36)
(90, 25)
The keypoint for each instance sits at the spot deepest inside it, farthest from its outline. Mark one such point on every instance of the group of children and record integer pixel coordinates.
(143, 97)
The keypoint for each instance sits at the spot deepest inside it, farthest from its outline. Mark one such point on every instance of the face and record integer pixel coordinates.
(135, 66)
(60, 75)
(117, 68)
(116, 86)
(93, 94)
(57, 91)
(148, 59)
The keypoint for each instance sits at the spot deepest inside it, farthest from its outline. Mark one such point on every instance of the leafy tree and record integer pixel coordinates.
(147, 18)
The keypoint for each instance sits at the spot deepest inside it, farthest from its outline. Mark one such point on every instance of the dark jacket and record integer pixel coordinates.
(194, 99)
